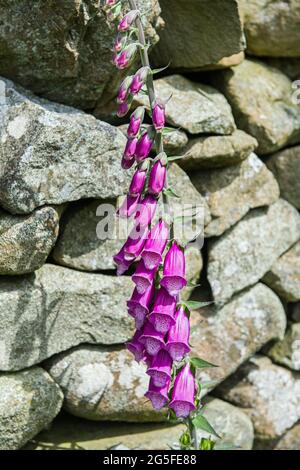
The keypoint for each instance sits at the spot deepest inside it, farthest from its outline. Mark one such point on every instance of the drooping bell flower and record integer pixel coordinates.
(155, 245)
(163, 312)
(123, 90)
(130, 148)
(158, 395)
(126, 57)
(161, 369)
(135, 242)
(143, 277)
(136, 347)
(138, 180)
(174, 270)
(127, 21)
(159, 116)
(127, 163)
(123, 109)
(139, 304)
(136, 121)
(146, 210)
(129, 206)
(153, 340)
(183, 395)
(144, 144)
(178, 336)
(157, 177)
(119, 43)
(121, 263)
(139, 80)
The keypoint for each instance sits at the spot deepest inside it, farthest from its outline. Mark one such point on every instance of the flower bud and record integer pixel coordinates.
(120, 42)
(127, 21)
(123, 109)
(127, 163)
(123, 90)
(157, 178)
(136, 120)
(138, 181)
(144, 145)
(158, 116)
(139, 80)
(130, 148)
(126, 57)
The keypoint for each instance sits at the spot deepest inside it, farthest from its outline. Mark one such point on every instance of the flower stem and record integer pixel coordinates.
(193, 433)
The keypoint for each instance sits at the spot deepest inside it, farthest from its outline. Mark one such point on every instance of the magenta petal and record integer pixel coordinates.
(135, 347)
(178, 336)
(183, 396)
(146, 210)
(130, 148)
(135, 243)
(143, 277)
(157, 178)
(121, 262)
(162, 315)
(144, 145)
(158, 395)
(155, 245)
(139, 304)
(137, 182)
(152, 339)
(129, 206)
(174, 270)
(158, 116)
(127, 163)
(160, 369)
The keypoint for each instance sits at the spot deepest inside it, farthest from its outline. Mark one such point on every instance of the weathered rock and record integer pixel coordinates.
(51, 153)
(198, 34)
(290, 66)
(286, 168)
(269, 394)
(287, 351)
(63, 52)
(57, 308)
(289, 441)
(284, 275)
(29, 401)
(262, 102)
(247, 252)
(107, 384)
(68, 432)
(217, 151)
(231, 192)
(296, 312)
(272, 28)
(26, 241)
(197, 108)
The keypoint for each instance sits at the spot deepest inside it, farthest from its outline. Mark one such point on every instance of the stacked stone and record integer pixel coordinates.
(62, 307)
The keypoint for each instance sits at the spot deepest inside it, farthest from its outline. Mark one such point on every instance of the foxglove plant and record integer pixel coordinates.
(162, 320)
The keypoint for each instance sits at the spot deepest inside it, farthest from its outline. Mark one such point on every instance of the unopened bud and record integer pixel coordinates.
(136, 120)
(158, 116)
(126, 57)
(139, 79)
(127, 21)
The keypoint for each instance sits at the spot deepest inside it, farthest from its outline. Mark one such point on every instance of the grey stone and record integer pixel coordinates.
(51, 153)
(107, 384)
(26, 240)
(289, 441)
(272, 29)
(286, 168)
(296, 312)
(290, 66)
(287, 351)
(247, 252)
(63, 51)
(262, 102)
(57, 308)
(284, 275)
(269, 394)
(197, 108)
(29, 401)
(231, 192)
(198, 34)
(217, 151)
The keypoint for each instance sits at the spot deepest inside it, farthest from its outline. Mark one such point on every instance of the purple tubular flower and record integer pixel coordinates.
(183, 396)
(123, 109)
(138, 181)
(143, 277)
(153, 340)
(119, 43)
(130, 148)
(178, 336)
(162, 315)
(155, 245)
(121, 262)
(174, 270)
(127, 163)
(158, 116)
(127, 20)
(161, 369)
(129, 206)
(135, 243)
(139, 80)
(144, 145)
(158, 395)
(157, 178)
(135, 123)
(135, 347)
(123, 90)
(126, 57)
(146, 210)
(138, 305)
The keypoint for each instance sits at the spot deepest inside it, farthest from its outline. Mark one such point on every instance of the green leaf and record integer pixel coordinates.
(170, 193)
(156, 71)
(168, 130)
(200, 422)
(201, 363)
(194, 305)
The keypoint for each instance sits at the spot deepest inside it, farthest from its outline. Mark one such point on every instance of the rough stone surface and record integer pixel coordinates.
(198, 34)
(284, 276)
(289, 441)
(269, 394)
(63, 51)
(197, 108)
(272, 29)
(262, 102)
(107, 384)
(29, 401)
(290, 66)
(286, 168)
(231, 192)
(57, 308)
(287, 351)
(296, 312)
(247, 252)
(26, 241)
(51, 153)
(68, 432)
(217, 151)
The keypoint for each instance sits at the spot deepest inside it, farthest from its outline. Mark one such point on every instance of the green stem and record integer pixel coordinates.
(193, 433)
